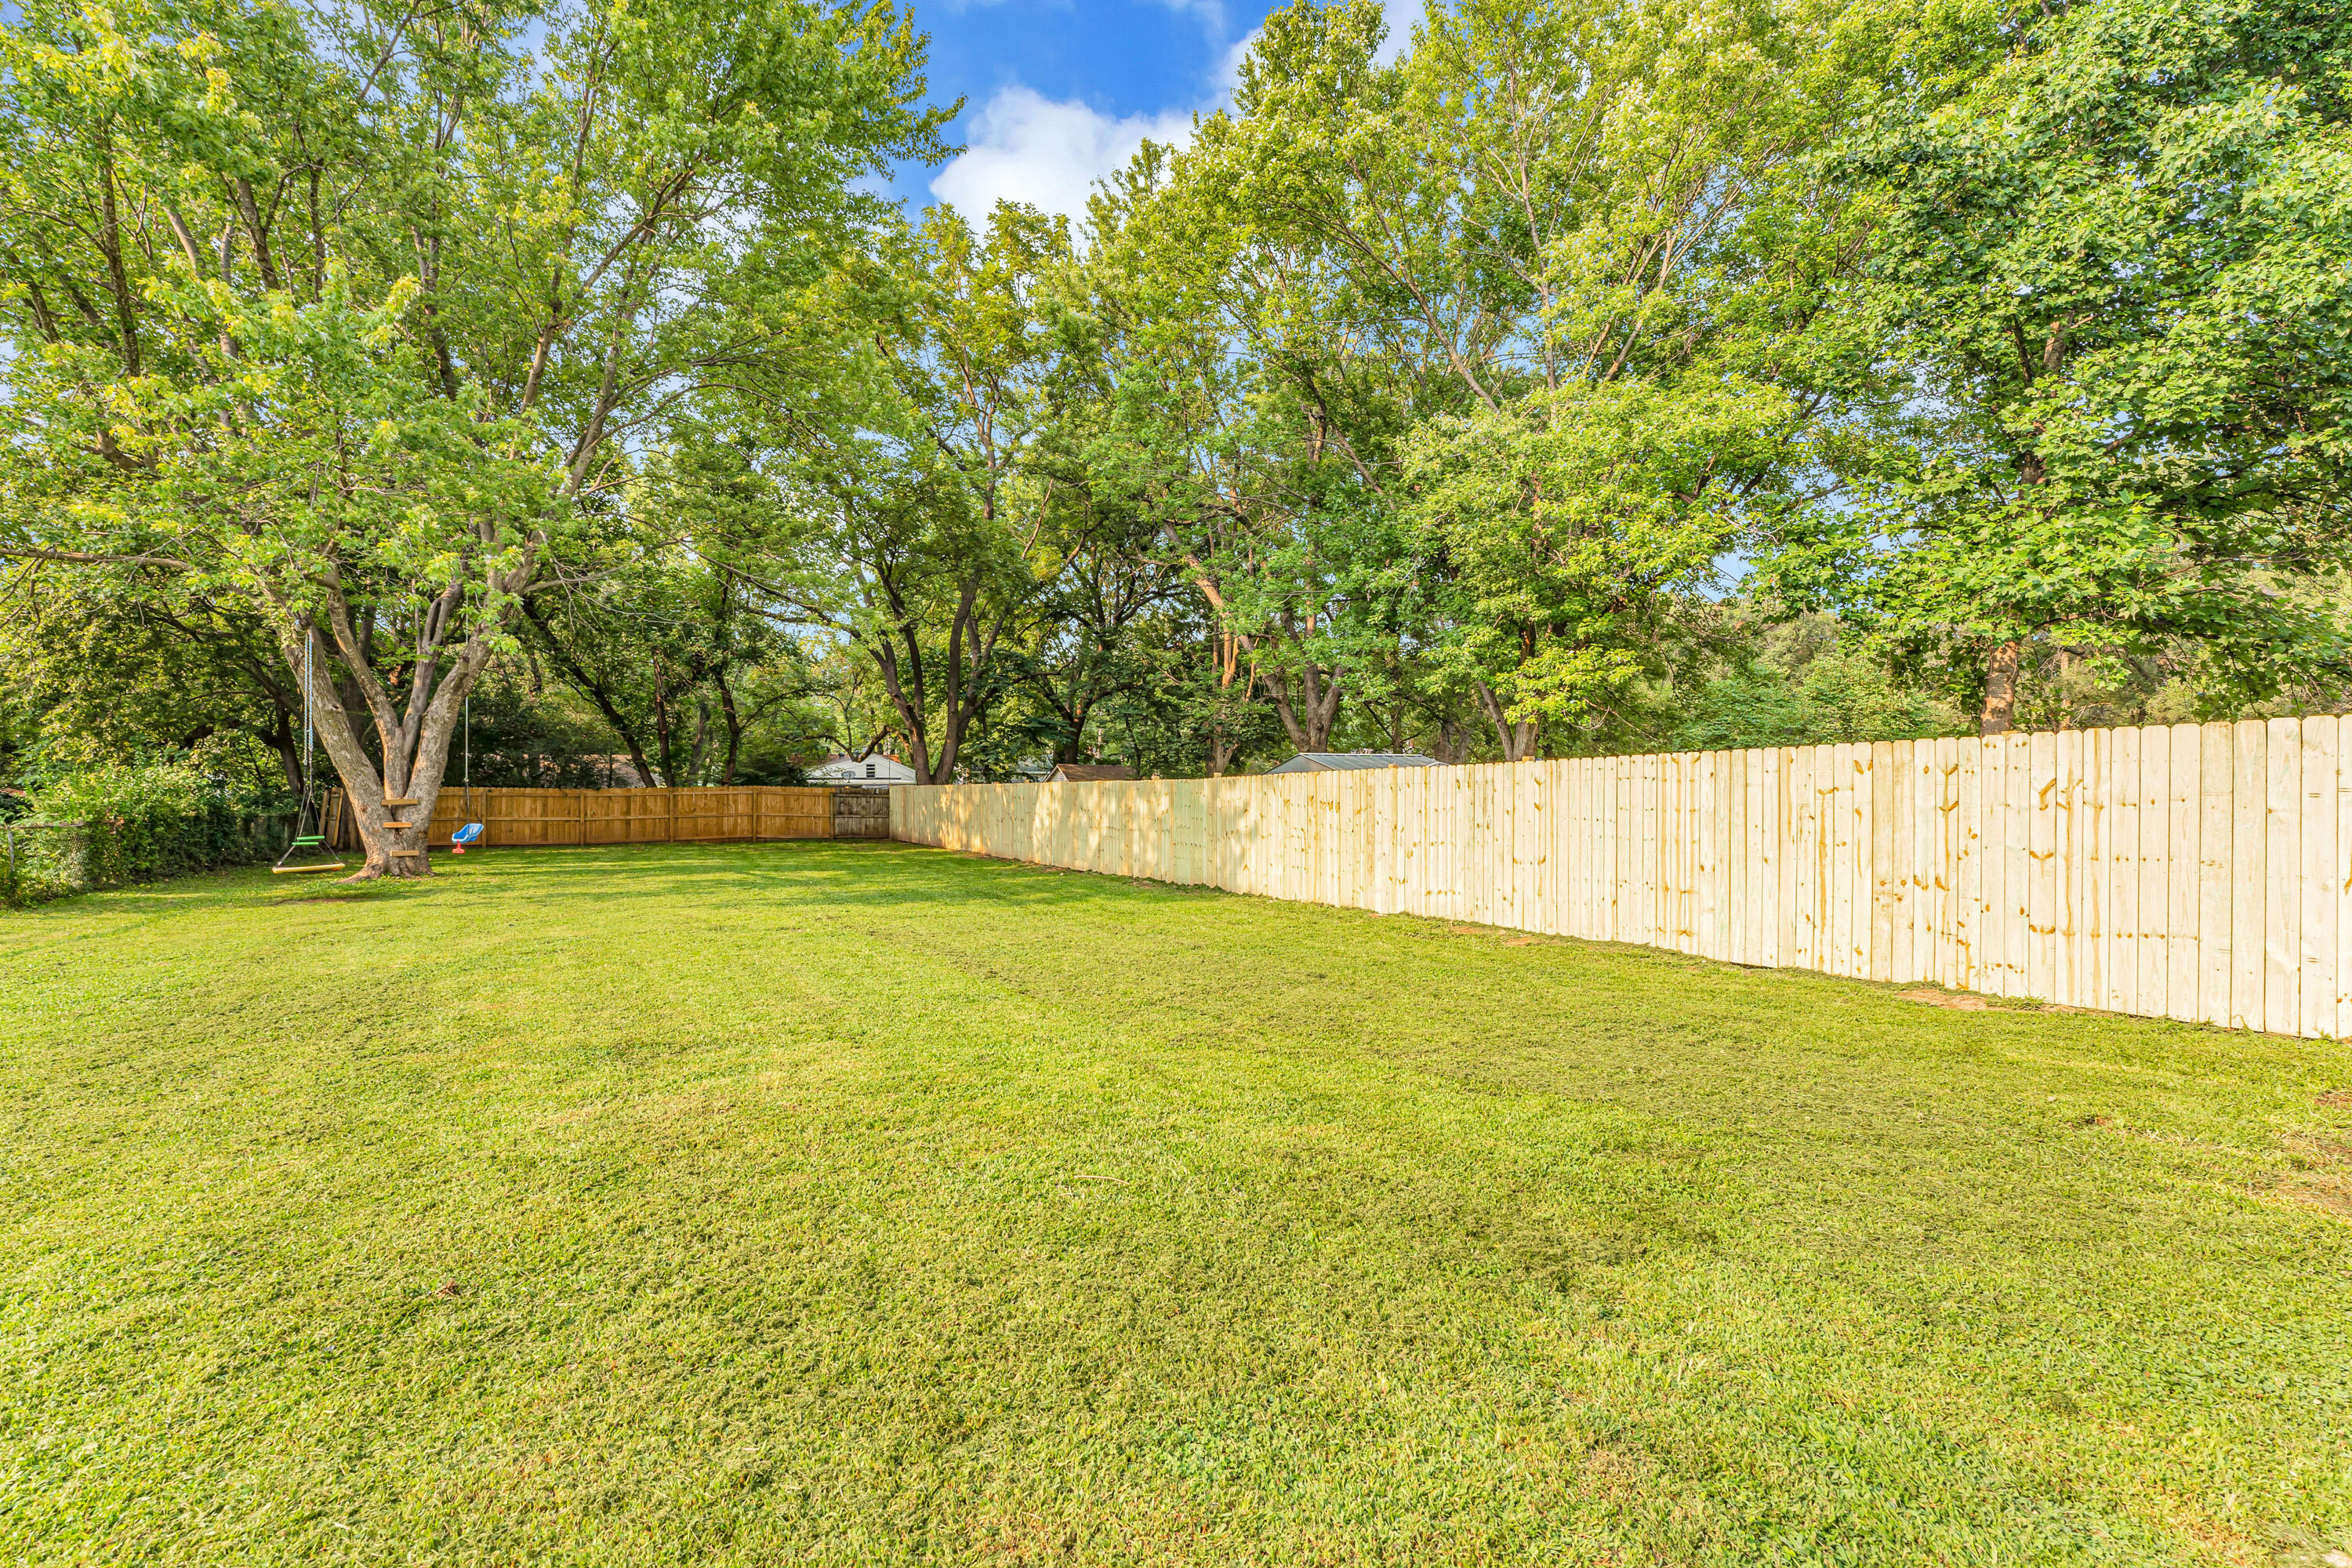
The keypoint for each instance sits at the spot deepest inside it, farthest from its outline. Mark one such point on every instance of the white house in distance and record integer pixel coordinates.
(1348, 762)
(878, 771)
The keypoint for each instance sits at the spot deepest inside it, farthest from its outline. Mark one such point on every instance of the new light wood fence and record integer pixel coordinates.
(513, 817)
(2193, 872)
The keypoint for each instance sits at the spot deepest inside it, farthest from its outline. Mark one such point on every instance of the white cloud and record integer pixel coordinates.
(1229, 66)
(1052, 152)
(1026, 147)
(1212, 12)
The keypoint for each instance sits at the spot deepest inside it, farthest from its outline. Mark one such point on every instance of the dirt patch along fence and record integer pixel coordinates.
(513, 818)
(2197, 872)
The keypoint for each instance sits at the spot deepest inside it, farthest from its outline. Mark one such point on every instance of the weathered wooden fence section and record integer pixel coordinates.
(861, 813)
(2200, 872)
(511, 817)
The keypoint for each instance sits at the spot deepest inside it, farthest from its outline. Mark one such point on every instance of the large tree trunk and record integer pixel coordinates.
(1221, 753)
(2000, 690)
(1075, 719)
(1222, 747)
(734, 725)
(1309, 716)
(905, 690)
(392, 807)
(1517, 738)
(969, 655)
(663, 744)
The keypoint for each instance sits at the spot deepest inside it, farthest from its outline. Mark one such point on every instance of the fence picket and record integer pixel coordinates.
(2125, 801)
(2250, 784)
(2282, 892)
(2316, 963)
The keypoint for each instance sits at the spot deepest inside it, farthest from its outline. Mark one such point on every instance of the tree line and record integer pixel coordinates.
(1587, 375)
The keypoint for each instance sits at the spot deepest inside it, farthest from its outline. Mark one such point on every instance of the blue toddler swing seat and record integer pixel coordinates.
(471, 833)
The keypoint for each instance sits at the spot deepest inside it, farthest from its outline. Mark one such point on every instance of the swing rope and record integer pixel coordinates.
(309, 833)
(469, 831)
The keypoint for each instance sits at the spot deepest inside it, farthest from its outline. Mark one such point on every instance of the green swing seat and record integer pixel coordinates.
(305, 843)
(310, 840)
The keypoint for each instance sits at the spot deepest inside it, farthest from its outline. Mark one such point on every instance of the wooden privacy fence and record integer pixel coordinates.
(512, 818)
(2200, 872)
(861, 814)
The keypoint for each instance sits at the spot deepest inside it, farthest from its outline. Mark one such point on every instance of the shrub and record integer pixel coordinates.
(132, 825)
(41, 863)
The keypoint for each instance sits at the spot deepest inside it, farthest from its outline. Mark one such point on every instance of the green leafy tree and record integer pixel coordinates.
(360, 315)
(2114, 264)
(1802, 681)
(150, 675)
(922, 516)
(680, 660)
(1171, 443)
(1540, 322)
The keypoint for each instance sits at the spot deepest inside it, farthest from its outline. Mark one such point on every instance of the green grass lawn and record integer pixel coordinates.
(864, 1204)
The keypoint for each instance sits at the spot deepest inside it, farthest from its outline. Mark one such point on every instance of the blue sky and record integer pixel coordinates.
(1059, 92)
